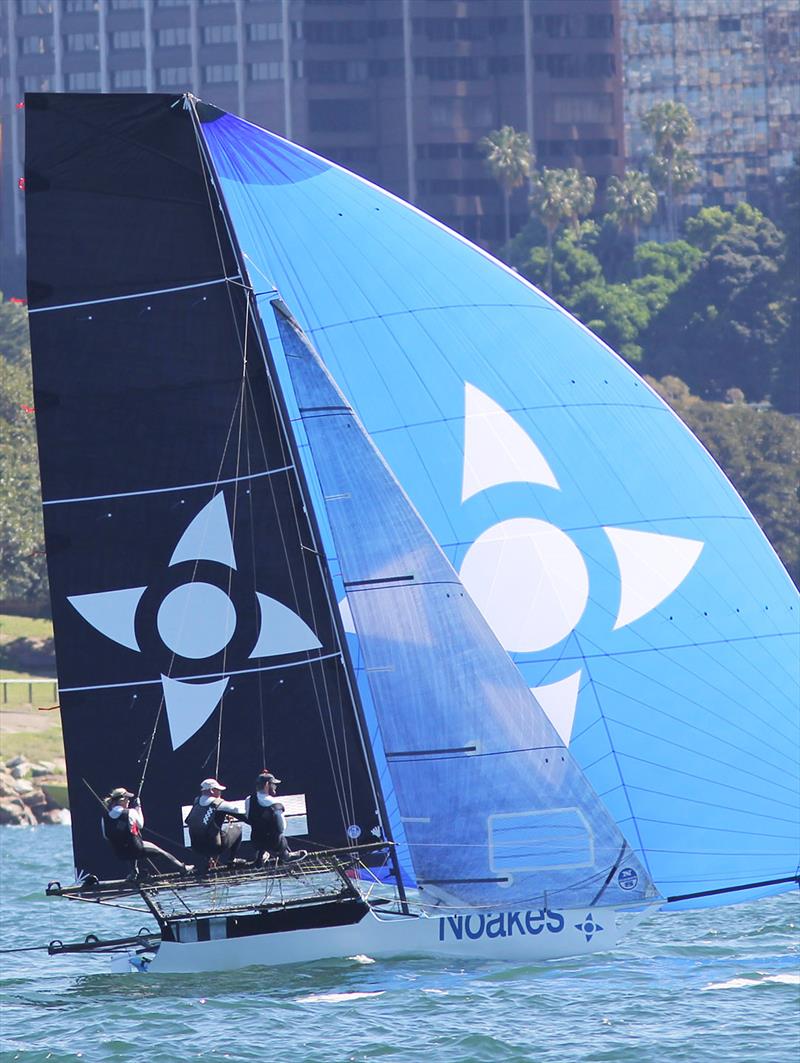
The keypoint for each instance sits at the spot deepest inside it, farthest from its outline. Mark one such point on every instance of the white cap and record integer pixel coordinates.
(211, 784)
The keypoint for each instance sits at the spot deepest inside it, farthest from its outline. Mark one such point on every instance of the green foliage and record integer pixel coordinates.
(509, 160)
(559, 196)
(632, 201)
(616, 312)
(670, 165)
(759, 450)
(723, 327)
(23, 574)
(14, 332)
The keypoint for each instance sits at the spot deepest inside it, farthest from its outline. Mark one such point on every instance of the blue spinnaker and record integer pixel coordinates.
(612, 558)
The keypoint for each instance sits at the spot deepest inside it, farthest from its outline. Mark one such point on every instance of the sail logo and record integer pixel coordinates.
(196, 620)
(528, 577)
(501, 925)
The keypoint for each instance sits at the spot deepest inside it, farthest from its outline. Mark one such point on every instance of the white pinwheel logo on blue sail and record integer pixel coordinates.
(196, 621)
(528, 577)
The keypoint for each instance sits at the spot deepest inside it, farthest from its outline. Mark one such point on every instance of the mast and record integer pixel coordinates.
(266, 354)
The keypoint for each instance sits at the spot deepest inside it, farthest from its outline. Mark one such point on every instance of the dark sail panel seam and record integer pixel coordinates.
(135, 295)
(163, 490)
(210, 675)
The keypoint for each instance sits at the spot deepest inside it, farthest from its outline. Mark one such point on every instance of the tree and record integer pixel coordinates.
(759, 451)
(509, 160)
(671, 167)
(723, 328)
(23, 573)
(559, 196)
(632, 201)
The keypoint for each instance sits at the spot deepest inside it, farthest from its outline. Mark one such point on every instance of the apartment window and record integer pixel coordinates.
(506, 64)
(600, 26)
(728, 24)
(129, 79)
(443, 111)
(577, 108)
(555, 26)
(335, 32)
(558, 64)
(35, 45)
(172, 35)
(35, 83)
(334, 70)
(265, 31)
(339, 115)
(225, 34)
(220, 72)
(268, 71)
(82, 42)
(36, 7)
(599, 64)
(448, 68)
(72, 7)
(125, 5)
(172, 76)
(121, 39)
(84, 81)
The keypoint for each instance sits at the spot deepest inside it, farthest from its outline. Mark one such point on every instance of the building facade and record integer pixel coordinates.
(400, 91)
(736, 66)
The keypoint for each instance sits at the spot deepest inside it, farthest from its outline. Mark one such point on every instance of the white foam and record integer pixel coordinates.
(336, 998)
(744, 983)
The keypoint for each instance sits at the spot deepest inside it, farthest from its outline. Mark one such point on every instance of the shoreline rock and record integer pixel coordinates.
(25, 803)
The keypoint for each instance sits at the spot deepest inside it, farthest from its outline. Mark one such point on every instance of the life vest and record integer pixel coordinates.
(266, 822)
(122, 835)
(204, 822)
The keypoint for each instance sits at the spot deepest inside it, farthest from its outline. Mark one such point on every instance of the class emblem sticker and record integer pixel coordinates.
(627, 879)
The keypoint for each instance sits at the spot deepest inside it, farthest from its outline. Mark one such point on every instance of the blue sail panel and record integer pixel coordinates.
(494, 807)
(598, 538)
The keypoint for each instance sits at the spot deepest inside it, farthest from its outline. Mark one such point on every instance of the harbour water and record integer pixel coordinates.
(701, 987)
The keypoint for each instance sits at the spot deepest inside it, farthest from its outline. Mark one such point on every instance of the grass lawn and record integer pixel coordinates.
(15, 627)
(46, 744)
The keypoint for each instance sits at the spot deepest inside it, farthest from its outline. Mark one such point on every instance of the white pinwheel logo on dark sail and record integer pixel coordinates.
(196, 620)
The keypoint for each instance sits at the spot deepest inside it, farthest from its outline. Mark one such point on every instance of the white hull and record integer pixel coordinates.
(520, 937)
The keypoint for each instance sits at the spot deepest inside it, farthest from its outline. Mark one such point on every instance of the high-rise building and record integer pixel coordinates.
(400, 91)
(735, 64)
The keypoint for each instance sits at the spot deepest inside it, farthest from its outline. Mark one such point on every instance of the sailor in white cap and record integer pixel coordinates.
(266, 816)
(214, 838)
(122, 825)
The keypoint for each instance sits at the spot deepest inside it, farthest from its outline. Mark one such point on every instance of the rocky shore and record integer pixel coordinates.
(31, 793)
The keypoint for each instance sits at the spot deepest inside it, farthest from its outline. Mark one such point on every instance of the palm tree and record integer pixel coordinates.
(559, 196)
(632, 201)
(509, 160)
(581, 190)
(671, 166)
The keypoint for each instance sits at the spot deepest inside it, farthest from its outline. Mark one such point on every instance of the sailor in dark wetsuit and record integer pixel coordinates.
(265, 814)
(122, 825)
(214, 839)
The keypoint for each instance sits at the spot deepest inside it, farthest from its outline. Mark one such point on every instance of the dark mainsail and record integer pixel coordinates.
(193, 618)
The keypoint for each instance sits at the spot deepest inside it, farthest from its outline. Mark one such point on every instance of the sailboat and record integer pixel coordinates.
(328, 489)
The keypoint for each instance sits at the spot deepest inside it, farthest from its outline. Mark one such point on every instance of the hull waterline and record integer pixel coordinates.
(519, 937)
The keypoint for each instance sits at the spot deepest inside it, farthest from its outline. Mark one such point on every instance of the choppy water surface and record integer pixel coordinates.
(720, 985)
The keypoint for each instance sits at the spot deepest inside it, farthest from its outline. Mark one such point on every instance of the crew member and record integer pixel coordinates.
(122, 825)
(214, 838)
(267, 818)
